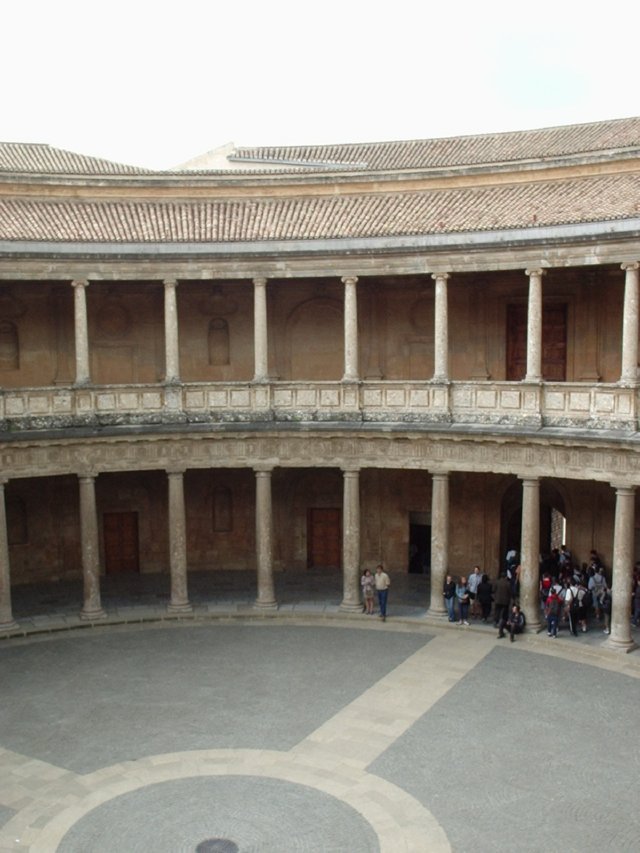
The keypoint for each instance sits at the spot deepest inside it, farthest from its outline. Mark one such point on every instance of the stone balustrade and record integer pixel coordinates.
(520, 404)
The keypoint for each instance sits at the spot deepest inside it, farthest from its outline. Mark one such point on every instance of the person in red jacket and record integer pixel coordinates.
(552, 609)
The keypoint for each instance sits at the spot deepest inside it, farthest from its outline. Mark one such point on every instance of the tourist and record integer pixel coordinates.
(502, 599)
(462, 597)
(449, 593)
(484, 596)
(368, 585)
(382, 582)
(553, 606)
(473, 583)
(514, 624)
(605, 607)
(636, 606)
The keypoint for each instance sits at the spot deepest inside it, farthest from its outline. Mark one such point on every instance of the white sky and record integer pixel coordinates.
(156, 83)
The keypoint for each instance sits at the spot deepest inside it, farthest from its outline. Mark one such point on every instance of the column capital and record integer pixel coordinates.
(527, 479)
(535, 271)
(440, 276)
(260, 281)
(263, 470)
(169, 283)
(349, 279)
(624, 489)
(3, 480)
(632, 265)
(175, 470)
(439, 473)
(80, 282)
(88, 474)
(350, 470)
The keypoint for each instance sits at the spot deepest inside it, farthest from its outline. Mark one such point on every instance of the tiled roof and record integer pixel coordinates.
(589, 199)
(40, 159)
(490, 148)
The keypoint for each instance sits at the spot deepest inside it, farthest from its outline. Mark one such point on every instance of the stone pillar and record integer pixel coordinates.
(534, 327)
(7, 622)
(172, 354)
(530, 553)
(351, 542)
(179, 601)
(439, 541)
(92, 607)
(81, 332)
(622, 582)
(629, 374)
(351, 369)
(264, 540)
(260, 332)
(441, 329)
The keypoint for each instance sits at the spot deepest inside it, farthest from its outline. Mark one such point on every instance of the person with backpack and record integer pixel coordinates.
(583, 605)
(552, 609)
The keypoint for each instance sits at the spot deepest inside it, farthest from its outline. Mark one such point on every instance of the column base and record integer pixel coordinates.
(5, 627)
(350, 607)
(437, 614)
(178, 609)
(93, 615)
(620, 645)
(265, 605)
(534, 627)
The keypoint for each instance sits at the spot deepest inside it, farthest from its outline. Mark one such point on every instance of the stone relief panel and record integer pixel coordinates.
(439, 451)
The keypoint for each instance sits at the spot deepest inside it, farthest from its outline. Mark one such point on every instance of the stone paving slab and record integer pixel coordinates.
(432, 734)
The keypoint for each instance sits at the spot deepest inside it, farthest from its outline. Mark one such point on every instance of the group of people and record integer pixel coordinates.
(476, 596)
(570, 595)
(372, 585)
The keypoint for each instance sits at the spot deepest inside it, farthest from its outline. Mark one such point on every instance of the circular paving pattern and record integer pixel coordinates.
(338, 738)
(230, 814)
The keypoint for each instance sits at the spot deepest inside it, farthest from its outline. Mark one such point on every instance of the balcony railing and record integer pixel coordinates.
(562, 405)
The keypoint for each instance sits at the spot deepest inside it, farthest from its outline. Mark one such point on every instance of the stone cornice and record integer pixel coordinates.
(556, 246)
(437, 452)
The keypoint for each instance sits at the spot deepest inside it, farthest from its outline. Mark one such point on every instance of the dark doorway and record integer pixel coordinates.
(554, 342)
(324, 539)
(121, 552)
(419, 545)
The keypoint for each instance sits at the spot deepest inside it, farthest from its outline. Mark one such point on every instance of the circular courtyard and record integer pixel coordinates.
(314, 735)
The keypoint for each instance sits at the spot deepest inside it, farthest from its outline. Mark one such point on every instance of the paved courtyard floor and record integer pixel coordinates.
(307, 730)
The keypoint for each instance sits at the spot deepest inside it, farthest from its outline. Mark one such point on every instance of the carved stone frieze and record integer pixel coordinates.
(521, 456)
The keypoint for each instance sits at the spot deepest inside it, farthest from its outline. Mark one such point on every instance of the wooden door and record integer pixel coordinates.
(554, 342)
(121, 553)
(324, 539)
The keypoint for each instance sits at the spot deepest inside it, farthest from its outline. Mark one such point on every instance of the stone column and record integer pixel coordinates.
(534, 327)
(351, 370)
(92, 607)
(172, 354)
(81, 332)
(351, 542)
(530, 553)
(260, 332)
(179, 601)
(622, 582)
(629, 374)
(264, 540)
(441, 329)
(7, 622)
(439, 541)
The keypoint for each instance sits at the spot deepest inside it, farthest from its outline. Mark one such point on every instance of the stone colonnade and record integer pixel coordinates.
(631, 313)
(92, 609)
